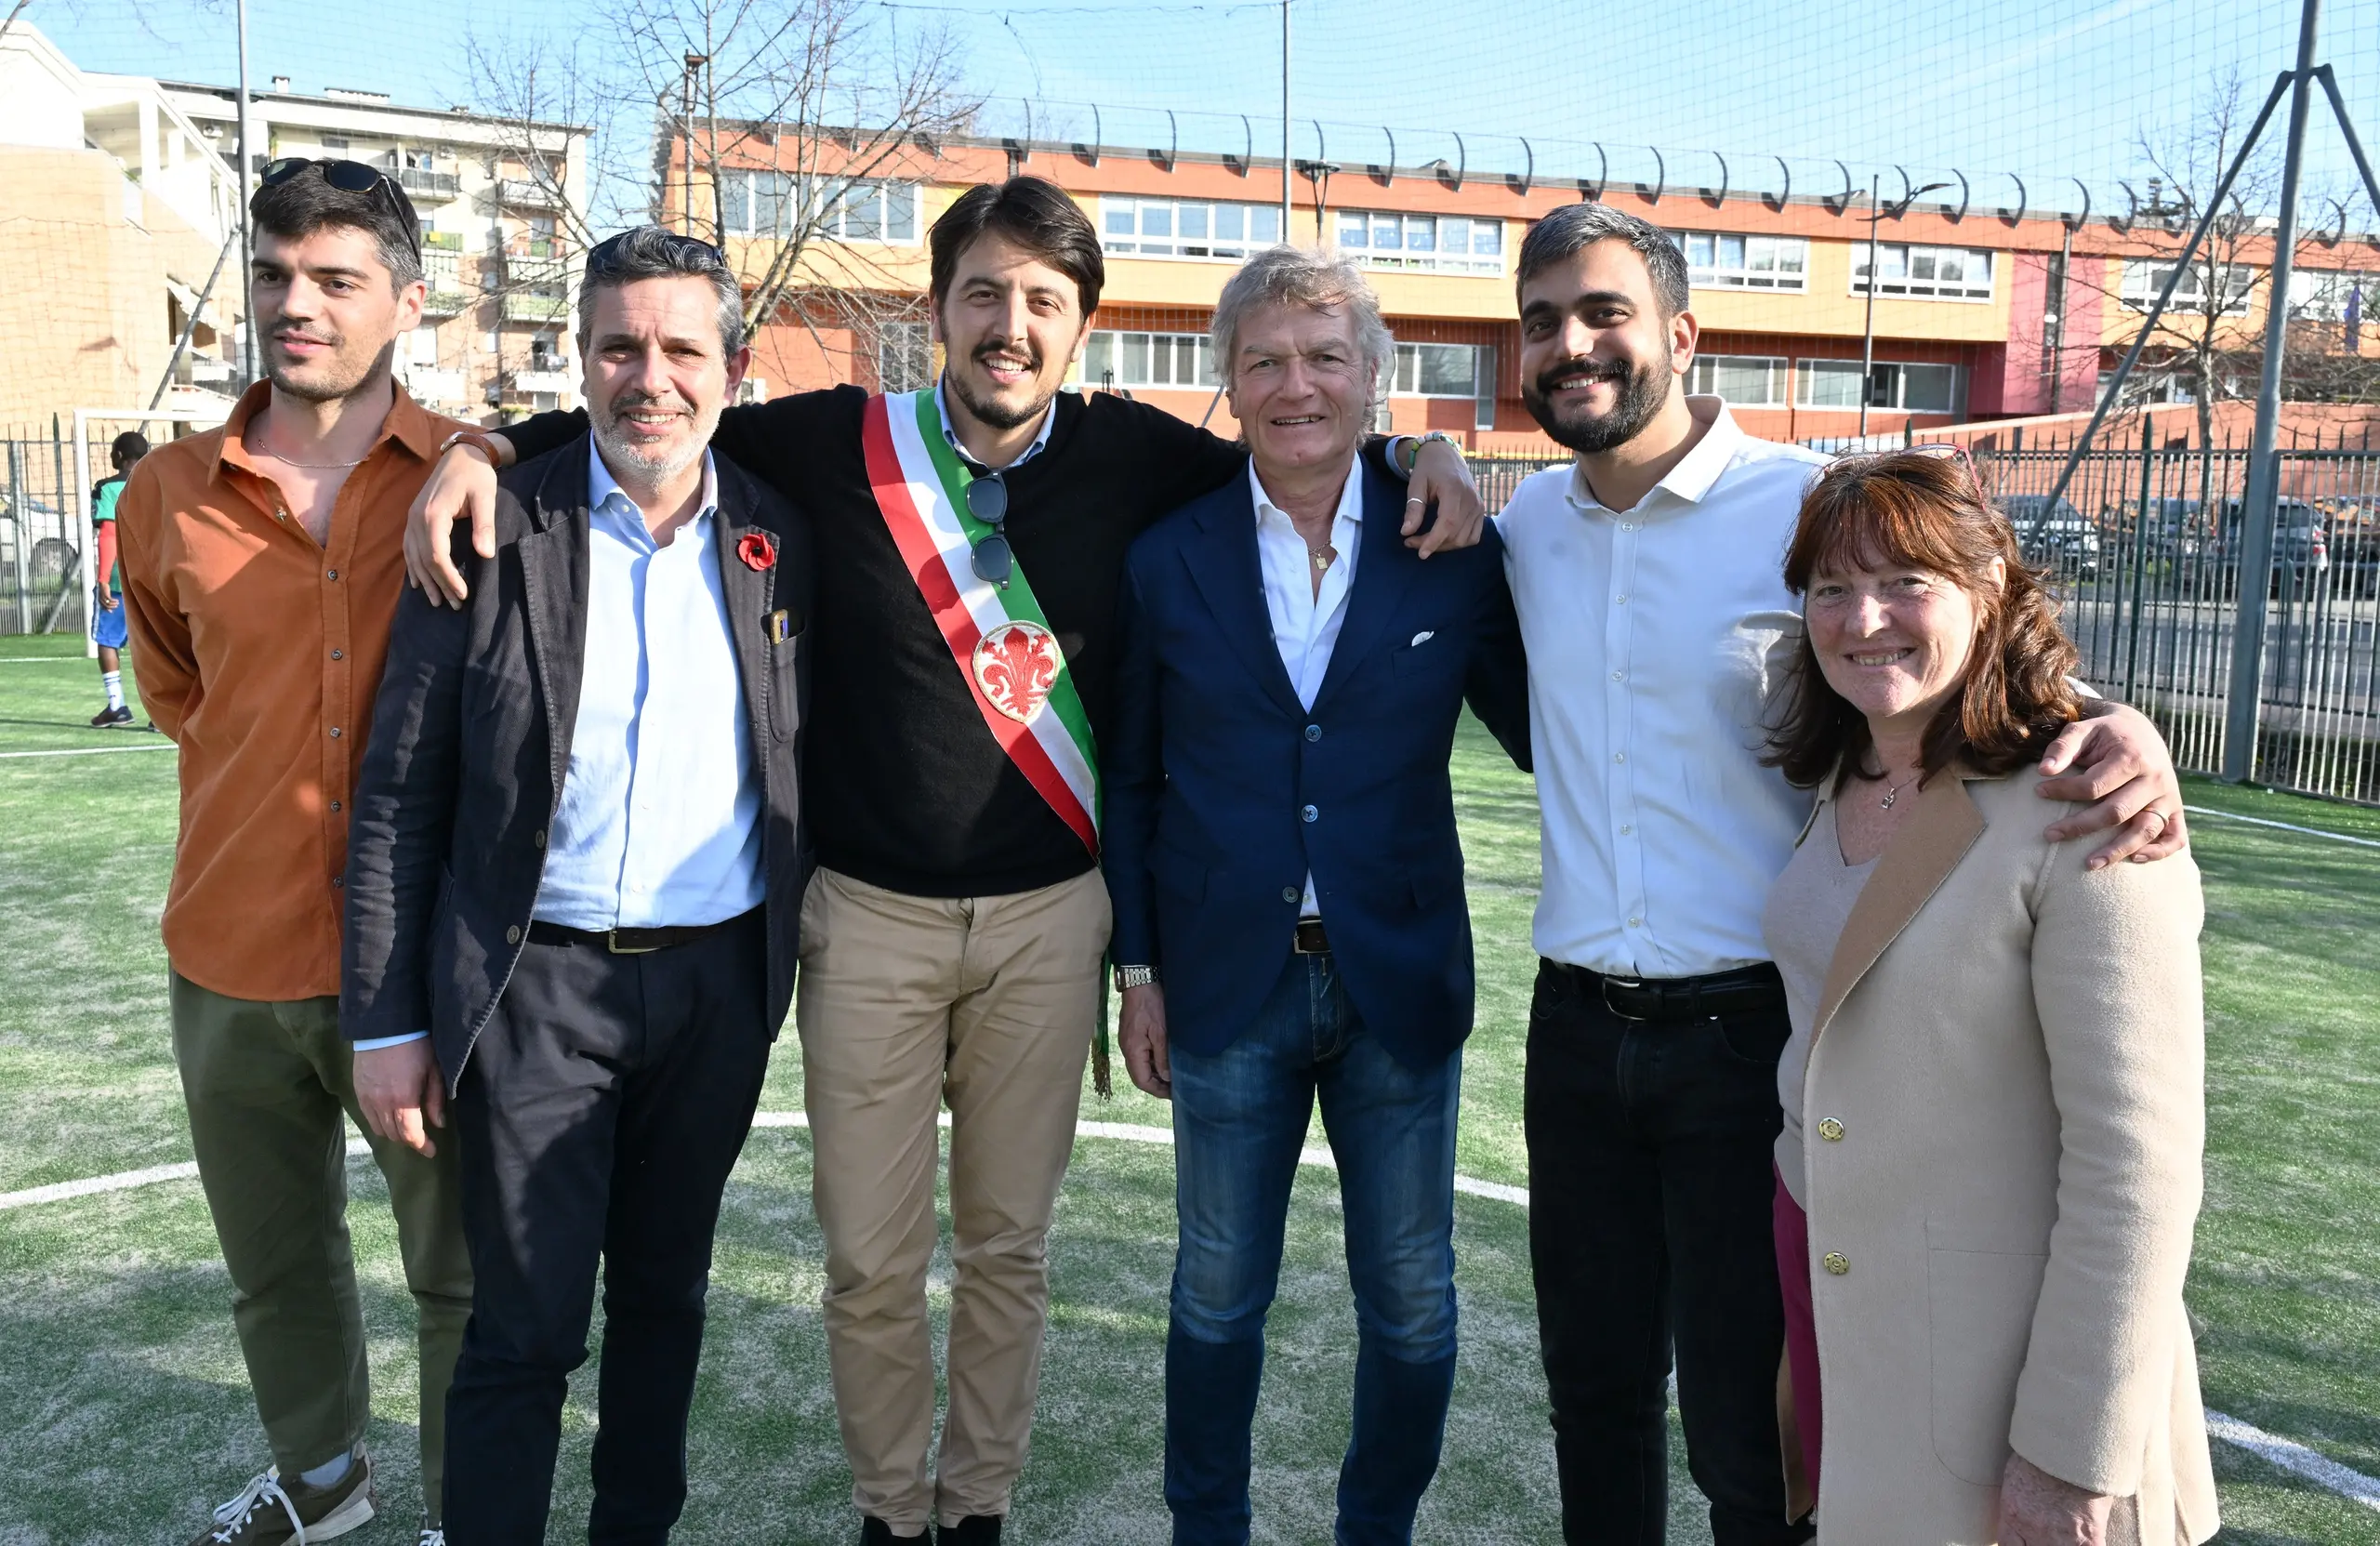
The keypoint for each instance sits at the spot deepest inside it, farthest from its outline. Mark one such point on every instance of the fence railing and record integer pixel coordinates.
(2144, 546)
(42, 540)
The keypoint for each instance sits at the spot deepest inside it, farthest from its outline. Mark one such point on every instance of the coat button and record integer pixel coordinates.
(1313, 732)
(513, 936)
(1832, 1131)
(1835, 1263)
(1310, 813)
(537, 838)
(1291, 894)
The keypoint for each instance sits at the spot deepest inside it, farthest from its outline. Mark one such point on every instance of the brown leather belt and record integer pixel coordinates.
(628, 941)
(1311, 939)
(1745, 990)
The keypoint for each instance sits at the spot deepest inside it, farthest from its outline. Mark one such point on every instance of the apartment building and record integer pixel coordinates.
(496, 338)
(1980, 310)
(116, 221)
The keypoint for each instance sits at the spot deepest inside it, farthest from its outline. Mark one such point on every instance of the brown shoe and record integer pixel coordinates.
(267, 1513)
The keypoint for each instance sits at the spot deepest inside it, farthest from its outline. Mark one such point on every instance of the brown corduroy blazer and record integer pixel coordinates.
(2004, 1110)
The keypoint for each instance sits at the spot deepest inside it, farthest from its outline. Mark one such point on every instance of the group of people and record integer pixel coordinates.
(930, 715)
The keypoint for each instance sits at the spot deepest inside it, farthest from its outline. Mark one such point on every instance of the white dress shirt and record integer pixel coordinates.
(1306, 622)
(659, 823)
(1656, 638)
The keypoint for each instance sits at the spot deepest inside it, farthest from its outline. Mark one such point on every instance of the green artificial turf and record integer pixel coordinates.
(124, 1413)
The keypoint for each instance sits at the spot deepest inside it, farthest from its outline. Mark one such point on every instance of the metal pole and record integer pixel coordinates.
(2064, 289)
(1867, 341)
(247, 250)
(1285, 120)
(18, 509)
(2257, 506)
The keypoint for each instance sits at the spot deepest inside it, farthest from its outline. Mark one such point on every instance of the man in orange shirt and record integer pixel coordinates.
(262, 564)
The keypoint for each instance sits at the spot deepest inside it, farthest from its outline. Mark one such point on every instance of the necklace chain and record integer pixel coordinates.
(315, 467)
(1894, 793)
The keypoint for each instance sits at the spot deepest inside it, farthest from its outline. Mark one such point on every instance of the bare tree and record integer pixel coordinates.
(794, 133)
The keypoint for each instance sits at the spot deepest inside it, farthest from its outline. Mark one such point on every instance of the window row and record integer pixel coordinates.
(1433, 244)
(772, 204)
(1182, 228)
(2202, 278)
(1761, 381)
(1722, 260)
(1931, 274)
(1123, 358)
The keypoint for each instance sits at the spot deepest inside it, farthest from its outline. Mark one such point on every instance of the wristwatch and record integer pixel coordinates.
(1134, 977)
(476, 438)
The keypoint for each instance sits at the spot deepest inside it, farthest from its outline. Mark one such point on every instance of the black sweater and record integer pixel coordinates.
(905, 787)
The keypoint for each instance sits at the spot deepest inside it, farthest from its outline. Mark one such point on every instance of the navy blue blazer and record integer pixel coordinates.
(1222, 793)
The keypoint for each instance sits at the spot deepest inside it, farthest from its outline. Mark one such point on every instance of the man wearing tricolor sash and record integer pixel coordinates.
(969, 544)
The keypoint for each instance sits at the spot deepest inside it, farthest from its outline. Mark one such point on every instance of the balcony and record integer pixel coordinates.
(438, 387)
(557, 382)
(543, 272)
(424, 185)
(525, 194)
(445, 302)
(537, 308)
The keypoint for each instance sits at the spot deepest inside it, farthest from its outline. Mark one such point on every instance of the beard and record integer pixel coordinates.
(648, 463)
(1640, 392)
(329, 378)
(1001, 415)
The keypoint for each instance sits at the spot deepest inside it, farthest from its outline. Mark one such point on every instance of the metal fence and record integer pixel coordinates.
(42, 535)
(2144, 546)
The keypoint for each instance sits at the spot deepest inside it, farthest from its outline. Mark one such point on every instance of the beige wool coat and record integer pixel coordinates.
(2003, 1116)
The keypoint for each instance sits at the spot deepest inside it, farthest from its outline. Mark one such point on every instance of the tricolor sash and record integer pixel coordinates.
(998, 636)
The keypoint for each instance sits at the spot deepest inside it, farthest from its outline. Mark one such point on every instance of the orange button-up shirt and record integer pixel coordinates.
(259, 652)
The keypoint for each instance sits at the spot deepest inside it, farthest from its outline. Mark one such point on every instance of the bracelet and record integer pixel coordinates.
(1134, 977)
(478, 439)
(1424, 440)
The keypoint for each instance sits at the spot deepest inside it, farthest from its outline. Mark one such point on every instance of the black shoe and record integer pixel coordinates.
(875, 1532)
(111, 718)
(976, 1529)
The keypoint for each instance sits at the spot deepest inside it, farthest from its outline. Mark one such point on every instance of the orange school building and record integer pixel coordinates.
(1980, 312)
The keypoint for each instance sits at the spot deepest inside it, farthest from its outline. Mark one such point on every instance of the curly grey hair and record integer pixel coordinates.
(1303, 276)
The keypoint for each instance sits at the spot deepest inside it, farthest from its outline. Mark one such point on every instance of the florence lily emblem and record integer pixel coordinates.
(1016, 665)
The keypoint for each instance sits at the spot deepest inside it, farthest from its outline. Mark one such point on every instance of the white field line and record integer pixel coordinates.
(92, 751)
(2292, 1456)
(2284, 825)
(45, 660)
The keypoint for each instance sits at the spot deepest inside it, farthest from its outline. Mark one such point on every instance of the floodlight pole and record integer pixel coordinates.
(1868, 338)
(1285, 120)
(2261, 501)
(239, 184)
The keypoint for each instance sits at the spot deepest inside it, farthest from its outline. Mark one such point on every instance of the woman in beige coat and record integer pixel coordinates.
(1994, 1117)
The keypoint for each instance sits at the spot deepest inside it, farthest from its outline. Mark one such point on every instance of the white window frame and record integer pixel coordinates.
(1131, 354)
(1806, 372)
(1702, 379)
(1905, 286)
(2320, 295)
(2144, 277)
(1775, 264)
(1169, 246)
(1358, 233)
(739, 194)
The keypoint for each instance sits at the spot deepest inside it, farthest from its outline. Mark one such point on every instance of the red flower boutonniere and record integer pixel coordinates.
(757, 550)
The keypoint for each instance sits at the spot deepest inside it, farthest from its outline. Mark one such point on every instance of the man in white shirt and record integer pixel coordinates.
(1281, 851)
(1648, 581)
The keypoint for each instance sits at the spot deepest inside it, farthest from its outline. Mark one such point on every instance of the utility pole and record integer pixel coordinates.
(694, 63)
(1285, 120)
(2054, 332)
(2262, 497)
(1868, 336)
(247, 238)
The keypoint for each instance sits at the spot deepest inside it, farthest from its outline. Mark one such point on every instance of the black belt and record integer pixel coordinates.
(628, 942)
(1745, 990)
(1311, 939)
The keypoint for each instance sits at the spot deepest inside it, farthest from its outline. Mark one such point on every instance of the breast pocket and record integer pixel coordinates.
(784, 672)
(1427, 655)
(1979, 1308)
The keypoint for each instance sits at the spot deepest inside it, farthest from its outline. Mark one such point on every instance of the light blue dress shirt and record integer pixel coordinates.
(660, 817)
(1041, 440)
(659, 823)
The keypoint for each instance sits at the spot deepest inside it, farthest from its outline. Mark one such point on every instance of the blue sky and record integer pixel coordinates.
(2048, 91)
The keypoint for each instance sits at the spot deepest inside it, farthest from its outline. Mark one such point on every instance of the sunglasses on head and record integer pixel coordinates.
(988, 502)
(350, 177)
(604, 256)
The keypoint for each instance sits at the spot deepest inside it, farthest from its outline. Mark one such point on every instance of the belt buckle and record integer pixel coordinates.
(611, 943)
(1604, 987)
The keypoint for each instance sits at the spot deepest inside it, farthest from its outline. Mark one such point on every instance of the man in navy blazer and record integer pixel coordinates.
(1279, 843)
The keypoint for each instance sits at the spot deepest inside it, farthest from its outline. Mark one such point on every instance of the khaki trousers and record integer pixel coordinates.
(990, 1004)
(267, 1085)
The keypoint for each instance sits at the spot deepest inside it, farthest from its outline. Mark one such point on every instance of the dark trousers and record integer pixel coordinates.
(599, 1114)
(1239, 1121)
(1651, 1164)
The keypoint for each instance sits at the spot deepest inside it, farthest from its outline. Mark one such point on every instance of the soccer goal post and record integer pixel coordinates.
(112, 418)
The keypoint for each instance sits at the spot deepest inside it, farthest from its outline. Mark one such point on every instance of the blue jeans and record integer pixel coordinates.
(1239, 1120)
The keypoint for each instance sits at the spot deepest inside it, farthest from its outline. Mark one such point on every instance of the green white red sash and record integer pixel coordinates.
(998, 636)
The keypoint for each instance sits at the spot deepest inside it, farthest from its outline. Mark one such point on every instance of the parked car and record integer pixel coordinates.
(2301, 549)
(2066, 542)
